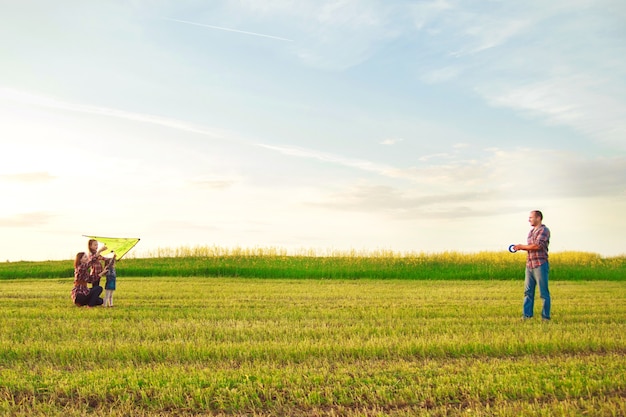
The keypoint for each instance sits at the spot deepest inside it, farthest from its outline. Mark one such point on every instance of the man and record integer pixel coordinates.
(537, 266)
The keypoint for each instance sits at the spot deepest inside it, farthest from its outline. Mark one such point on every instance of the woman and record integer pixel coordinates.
(81, 294)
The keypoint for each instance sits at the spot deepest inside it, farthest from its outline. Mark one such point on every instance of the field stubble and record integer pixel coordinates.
(226, 346)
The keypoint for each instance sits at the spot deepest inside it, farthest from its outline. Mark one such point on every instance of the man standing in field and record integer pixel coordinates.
(537, 266)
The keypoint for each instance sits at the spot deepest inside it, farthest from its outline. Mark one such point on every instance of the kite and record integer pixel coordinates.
(119, 245)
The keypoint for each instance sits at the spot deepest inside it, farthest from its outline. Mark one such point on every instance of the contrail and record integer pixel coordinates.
(229, 30)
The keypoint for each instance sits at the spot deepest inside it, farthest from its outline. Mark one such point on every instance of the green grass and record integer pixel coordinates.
(233, 346)
(272, 264)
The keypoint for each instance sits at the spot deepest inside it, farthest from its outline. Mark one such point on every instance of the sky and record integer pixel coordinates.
(408, 126)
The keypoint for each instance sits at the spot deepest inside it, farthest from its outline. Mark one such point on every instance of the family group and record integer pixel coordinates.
(89, 268)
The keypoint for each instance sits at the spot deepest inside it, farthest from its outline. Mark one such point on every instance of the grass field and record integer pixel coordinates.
(272, 263)
(246, 346)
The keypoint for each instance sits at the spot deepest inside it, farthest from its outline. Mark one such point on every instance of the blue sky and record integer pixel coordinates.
(329, 125)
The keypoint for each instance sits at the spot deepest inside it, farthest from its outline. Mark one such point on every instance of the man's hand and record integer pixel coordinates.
(526, 247)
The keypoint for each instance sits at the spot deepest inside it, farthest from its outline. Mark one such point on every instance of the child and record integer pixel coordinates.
(96, 267)
(109, 287)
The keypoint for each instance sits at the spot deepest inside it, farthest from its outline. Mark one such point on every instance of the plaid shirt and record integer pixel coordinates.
(96, 267)
(538, 236)
(82, 277)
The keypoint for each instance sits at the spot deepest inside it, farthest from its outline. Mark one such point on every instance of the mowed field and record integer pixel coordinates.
(296, 347)
(311, 347)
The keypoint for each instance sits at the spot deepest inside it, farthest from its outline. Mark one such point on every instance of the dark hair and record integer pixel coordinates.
(538, 213)
(79, 256)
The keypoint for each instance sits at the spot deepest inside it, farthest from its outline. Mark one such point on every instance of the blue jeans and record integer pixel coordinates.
(536, 276)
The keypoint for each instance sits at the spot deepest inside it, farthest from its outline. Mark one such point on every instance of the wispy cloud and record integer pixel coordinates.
(48, 102)
(331, 158)
(534, 60)
(391, 141)
(28, 177)
(229, 29)
(212, 184)
(566, 101)
(425, 12)
(489, 186)
(455, 173)
(563, 174)
(441, 155)
(334, 35)
(404, 204)
(26, 219)
(441, 75)
(490, 32)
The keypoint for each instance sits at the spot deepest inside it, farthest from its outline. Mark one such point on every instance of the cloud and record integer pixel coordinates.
(490, 32)
(556, 63)
(569, 101)
(32, 219)
(333, 35)
(527, 58)
(440, 75)
(28, 177)
(455, 173)
(212, 184)
(441, 155)
(424, 13)
(497, 184)
(495, 175)
(391, 141)
(360, 164)
(186, 226)
(582, 177)
(403, 204)
(42, 101)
